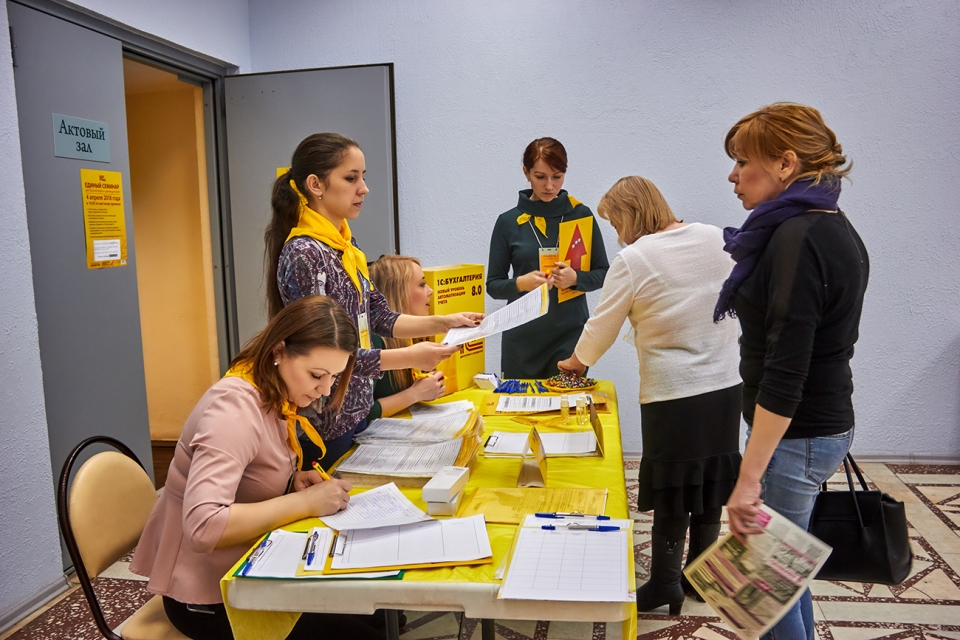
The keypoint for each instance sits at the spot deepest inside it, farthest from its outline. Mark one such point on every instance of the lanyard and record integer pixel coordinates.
(537, 236)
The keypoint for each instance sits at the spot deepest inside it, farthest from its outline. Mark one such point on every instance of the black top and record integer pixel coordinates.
(533, 350)
(799, 313)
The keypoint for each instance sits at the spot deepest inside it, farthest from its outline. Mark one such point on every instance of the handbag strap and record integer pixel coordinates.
(853, 492)
(856, 469)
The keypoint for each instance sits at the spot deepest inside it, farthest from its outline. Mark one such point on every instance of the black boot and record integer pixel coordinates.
(701, 537)
(663, 587)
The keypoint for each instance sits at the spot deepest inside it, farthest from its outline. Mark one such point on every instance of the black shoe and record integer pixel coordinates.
(663, 587)
(701, 537)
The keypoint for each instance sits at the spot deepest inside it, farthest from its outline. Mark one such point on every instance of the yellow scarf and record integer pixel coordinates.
(314, 225)
(244, 370)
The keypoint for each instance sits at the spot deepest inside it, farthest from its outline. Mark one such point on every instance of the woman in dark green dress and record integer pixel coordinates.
(549, 237)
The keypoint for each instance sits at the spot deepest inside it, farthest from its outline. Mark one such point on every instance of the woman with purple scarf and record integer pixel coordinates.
(797, 289)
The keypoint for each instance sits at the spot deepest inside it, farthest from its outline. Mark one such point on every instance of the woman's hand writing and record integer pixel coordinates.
(327, 497)
(562, 276)
(532, 280)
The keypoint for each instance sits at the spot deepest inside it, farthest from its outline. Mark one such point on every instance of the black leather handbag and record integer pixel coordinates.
(867, 530)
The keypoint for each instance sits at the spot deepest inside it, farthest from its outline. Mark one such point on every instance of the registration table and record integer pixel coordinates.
(267, 609)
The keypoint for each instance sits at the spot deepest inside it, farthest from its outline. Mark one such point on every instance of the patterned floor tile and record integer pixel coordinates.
(925, 606)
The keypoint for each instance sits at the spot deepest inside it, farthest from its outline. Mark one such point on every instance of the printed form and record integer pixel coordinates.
(568, 564)
(527, 307)
(413, 460)
(578, 443)
(535, 404)
(421, 410)
(380, 507)
(451, 540)
(420, 429)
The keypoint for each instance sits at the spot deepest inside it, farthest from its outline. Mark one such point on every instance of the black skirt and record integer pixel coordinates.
(691, 452)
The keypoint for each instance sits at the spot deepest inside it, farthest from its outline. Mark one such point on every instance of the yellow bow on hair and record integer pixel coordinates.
(315, 226)
(288, 410)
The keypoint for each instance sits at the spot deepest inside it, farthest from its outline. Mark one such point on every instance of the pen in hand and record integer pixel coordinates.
(319, 469)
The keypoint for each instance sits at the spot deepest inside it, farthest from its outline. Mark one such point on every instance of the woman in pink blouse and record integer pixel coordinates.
(235, 473)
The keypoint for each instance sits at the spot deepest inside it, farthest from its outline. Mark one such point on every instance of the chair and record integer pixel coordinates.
(102, 514)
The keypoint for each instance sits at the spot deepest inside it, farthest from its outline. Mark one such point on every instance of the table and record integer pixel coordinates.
(264, 608)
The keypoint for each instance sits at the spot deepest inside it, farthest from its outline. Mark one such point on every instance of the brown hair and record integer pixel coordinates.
(636, 207)
(302, 326)
(547, 149)
(317, 155)
(391, 275)
(771, 131)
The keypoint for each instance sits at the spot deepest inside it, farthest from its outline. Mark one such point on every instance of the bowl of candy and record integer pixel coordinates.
(564, 382)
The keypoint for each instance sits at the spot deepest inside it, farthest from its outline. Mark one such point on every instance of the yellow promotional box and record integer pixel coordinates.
(458, 288)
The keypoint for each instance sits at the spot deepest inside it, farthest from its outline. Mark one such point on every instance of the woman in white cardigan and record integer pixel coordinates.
(666, 281)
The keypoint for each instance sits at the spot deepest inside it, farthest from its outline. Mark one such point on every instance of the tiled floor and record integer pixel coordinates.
(926, 605)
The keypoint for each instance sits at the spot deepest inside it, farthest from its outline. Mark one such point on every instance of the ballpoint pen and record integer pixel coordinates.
(253, 556)
(312, 553)
(587, 527)
(323, 474)
(572, 514)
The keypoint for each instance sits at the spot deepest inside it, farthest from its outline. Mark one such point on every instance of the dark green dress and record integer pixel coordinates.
(533, 350)
(383, 387)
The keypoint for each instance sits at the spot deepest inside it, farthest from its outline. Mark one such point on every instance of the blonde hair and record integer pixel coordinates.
(391, 275)
(636, 208)
(771, 131)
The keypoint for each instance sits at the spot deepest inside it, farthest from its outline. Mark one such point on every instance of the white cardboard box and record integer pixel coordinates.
(444, 508)
(445, 484)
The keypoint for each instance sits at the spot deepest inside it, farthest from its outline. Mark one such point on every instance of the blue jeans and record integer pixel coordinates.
(790, 487)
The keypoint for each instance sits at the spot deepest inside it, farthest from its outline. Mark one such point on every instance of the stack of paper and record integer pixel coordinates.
(421, 410)
(408, 465)
(502, 444)
(419, 429)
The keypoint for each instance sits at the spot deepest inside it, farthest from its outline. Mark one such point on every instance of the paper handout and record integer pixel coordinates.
(460, 540)
(416, 429)
(380, 507)
(555, 445)
(527, 307)
(397, 460)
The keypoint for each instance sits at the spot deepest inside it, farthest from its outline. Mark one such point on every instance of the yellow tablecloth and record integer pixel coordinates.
(606, 472)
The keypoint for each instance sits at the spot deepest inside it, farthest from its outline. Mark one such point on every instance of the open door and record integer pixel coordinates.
(267, 115)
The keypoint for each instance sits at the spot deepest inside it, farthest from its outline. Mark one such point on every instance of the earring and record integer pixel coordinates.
(320, 197)
(276, 363)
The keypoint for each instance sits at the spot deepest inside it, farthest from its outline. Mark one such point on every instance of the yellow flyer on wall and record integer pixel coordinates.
(103, 221)
(576, 240)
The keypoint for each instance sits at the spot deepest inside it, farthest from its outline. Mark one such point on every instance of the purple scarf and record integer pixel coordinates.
(747, 243)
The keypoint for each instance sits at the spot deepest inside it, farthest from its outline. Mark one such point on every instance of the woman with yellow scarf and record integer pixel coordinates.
(311, 250)
(235, 475)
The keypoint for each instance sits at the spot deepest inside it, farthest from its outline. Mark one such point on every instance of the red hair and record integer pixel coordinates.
(549, 150)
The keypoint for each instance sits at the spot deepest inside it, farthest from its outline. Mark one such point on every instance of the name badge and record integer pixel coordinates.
(364, 328)
(548, 258)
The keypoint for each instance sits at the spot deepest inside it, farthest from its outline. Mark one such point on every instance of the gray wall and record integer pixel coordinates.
(30, 571)
(651, 88)
(31, 567)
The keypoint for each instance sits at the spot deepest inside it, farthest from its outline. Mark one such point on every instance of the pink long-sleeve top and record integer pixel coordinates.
(231, 451)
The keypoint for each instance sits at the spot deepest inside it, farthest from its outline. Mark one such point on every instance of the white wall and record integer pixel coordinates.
(30, 554)
(30, 563)
(216, 28)
(651, 88)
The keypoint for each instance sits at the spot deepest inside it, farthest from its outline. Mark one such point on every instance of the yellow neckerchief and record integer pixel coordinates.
(289, 411)
(314, 225)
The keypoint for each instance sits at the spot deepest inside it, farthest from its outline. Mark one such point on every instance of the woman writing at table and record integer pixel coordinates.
(400, 280)
(311, 250)
(665, 282)
(234, 475)
(797, 290)
(548, 221)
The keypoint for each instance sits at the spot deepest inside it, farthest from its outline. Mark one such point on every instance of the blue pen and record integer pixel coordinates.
(549, 527)
(548, 515)
(253, 556)
(602, 528)
(313, 548)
